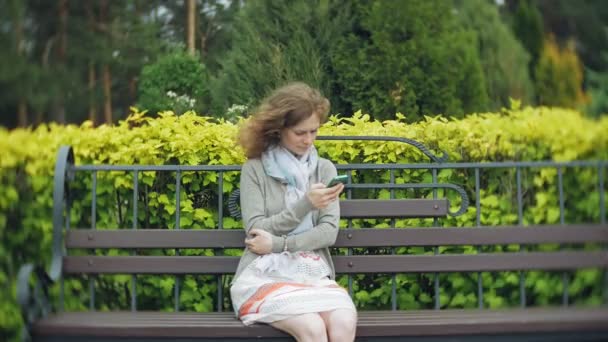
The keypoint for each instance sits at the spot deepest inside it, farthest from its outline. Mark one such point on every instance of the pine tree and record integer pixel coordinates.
(70, 63)
(275, 42)
(528, 27)
(503, 58)
(598, 93)
(410, 56)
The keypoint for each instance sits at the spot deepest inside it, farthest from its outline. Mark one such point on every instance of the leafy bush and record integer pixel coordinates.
(28, 156)
(177, 81)
(598, 92)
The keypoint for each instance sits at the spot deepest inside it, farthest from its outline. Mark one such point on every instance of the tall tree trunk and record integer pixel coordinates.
(22, 105)
(107, 94)
(191, 22)
(61, 57)
(63, 23)
(203, 39)
(105, 68)
(92, 75)
(41, 113)
(22, 113)
(132, 92)
(92, 97)
(39, 117)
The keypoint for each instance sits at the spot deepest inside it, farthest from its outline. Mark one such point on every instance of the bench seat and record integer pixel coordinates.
(413, 323)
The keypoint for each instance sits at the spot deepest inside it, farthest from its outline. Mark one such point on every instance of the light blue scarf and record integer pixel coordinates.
(281, 164)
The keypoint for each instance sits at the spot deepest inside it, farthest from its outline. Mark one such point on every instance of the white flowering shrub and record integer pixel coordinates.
(180, 103)
(235, 112)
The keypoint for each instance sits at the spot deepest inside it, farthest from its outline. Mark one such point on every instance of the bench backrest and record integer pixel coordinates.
(384, 257)
(350, 238)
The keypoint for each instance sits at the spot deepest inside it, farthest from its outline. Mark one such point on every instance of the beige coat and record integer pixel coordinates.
(263, 207)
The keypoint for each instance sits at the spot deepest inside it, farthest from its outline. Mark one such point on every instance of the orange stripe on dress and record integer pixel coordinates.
(265, 290)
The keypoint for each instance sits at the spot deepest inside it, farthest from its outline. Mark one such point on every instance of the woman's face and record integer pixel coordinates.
(299, 138)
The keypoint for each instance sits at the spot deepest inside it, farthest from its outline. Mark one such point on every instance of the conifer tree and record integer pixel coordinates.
(559, 76)
(275, 42)
(528, 27)
(410, 56)
(503, 59)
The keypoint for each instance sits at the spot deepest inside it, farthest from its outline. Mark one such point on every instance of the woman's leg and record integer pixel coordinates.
(341, 324)
(304, 328)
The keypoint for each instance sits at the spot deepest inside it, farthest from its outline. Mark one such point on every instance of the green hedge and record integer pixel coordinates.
(28, 156)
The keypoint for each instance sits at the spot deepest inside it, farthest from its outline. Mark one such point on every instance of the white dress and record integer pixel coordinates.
(277, 286)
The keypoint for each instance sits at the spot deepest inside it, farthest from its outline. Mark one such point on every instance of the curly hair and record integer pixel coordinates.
(284, 107)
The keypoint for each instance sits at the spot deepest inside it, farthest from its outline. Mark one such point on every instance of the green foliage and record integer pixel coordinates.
(177, 81)
(252, 46)
(559, 76)
(598, 92)
(49, 66)
(583, 21)
(10, 315)
(22, 78)
(214, 23)
(276, 42)
(410, 57)
(503, 59)
(28, 156)
(528, 27)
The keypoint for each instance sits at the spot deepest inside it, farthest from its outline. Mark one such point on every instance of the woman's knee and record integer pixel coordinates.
(341, 324)
(307, 327)
(315, 329)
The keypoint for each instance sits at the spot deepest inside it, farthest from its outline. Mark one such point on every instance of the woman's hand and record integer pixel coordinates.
(321, 196)
(259, 241)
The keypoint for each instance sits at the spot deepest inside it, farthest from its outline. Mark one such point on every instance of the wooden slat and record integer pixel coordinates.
(369, 237)
(155, 238)
(370, 323)
(563, 260)
(470, 262)
(150, 264)
(404, 208)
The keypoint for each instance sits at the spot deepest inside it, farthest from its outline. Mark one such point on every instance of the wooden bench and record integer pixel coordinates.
(559, 323)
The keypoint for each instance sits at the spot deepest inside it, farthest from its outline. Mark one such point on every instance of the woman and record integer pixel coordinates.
(286, 276)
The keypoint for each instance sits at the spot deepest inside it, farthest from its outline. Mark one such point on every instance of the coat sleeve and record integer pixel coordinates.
(325, 232)
(253, 208)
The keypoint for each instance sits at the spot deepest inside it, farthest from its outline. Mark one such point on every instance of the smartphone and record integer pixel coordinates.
(338, 179)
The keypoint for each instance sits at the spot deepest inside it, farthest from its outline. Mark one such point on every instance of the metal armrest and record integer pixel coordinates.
(33, 305)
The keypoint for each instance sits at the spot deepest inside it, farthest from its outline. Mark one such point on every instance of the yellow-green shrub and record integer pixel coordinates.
(559, 76)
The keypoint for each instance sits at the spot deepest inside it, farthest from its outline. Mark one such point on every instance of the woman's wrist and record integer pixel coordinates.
(302, 207)
(277, 244)
(284, 243)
